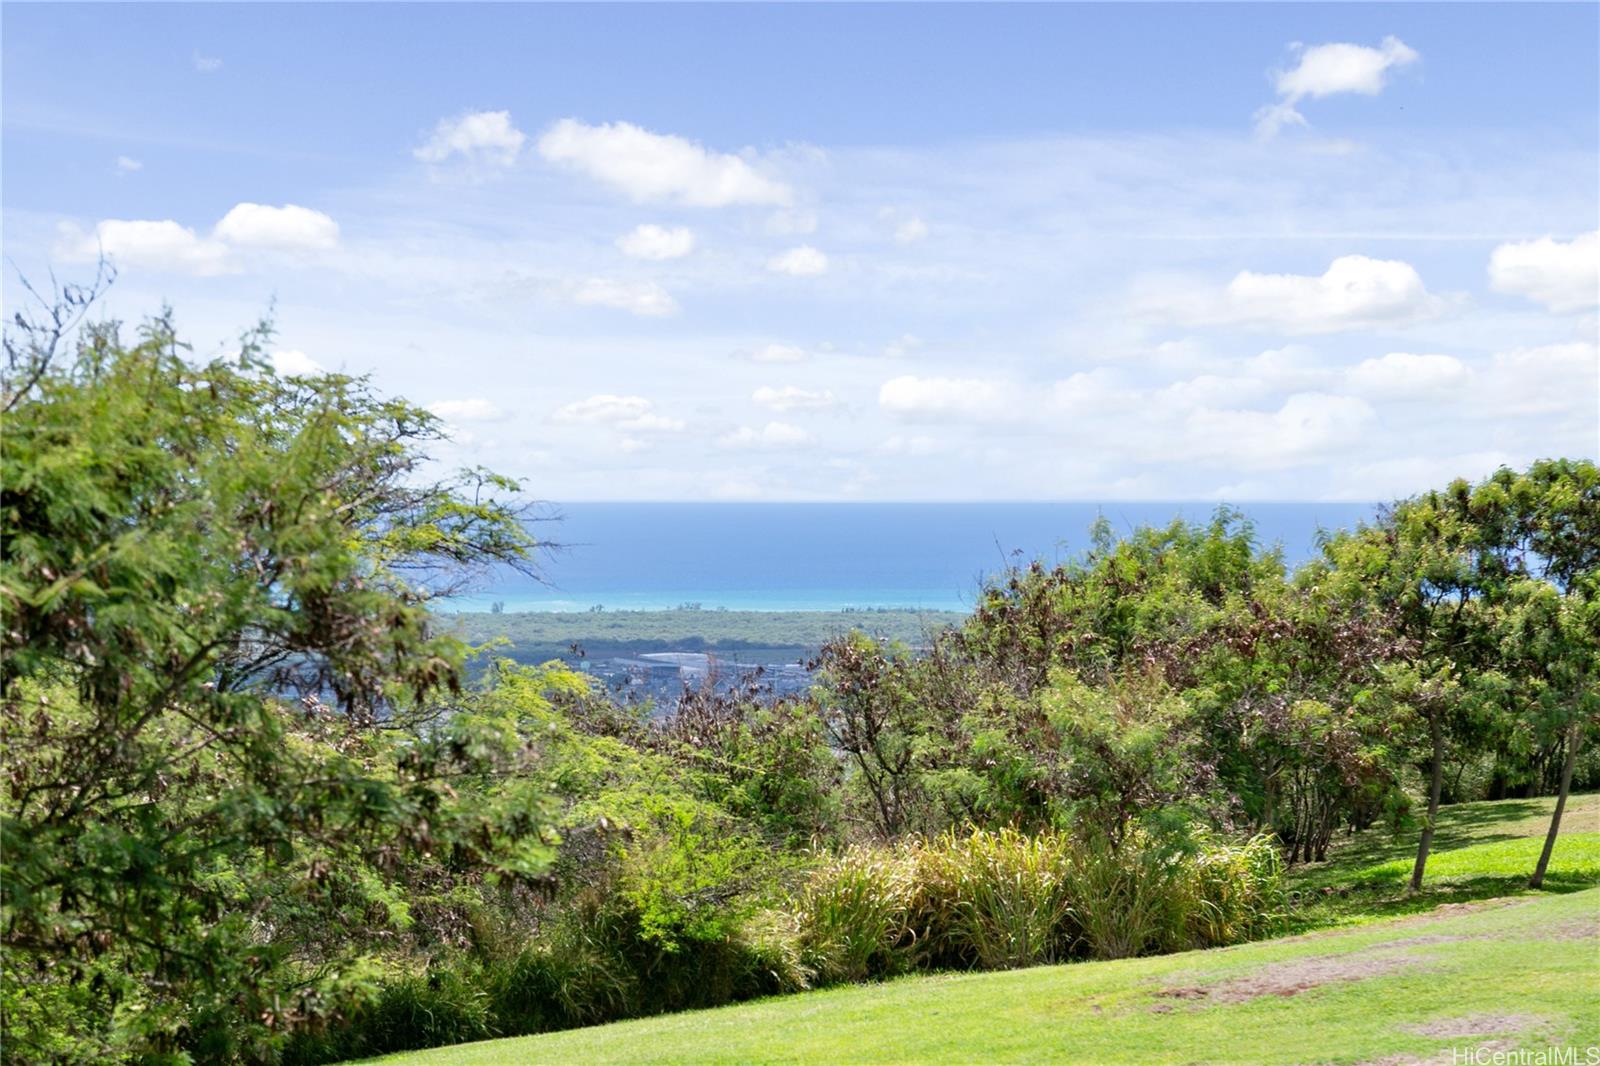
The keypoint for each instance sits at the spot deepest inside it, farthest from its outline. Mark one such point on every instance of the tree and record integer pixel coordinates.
(180, 542)
(1429, 565)
(1550, 537)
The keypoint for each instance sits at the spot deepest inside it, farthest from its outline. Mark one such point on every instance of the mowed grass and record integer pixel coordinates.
(1480, 851)
(1525, 973)
(1403, 979)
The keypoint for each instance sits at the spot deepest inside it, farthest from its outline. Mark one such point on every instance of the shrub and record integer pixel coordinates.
(995, 900)
(1237, 892)
(853, 916)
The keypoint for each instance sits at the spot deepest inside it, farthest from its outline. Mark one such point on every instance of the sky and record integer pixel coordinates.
(857, 252)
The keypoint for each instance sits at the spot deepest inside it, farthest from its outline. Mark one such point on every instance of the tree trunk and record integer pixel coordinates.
(1574, 734)
(1436, 733)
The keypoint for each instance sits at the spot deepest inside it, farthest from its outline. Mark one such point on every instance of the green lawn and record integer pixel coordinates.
(1515, 973)
(1480, 851)
(1520, 975)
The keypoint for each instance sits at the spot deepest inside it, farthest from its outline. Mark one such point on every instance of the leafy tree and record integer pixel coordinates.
(182, 540)
(1549, 526)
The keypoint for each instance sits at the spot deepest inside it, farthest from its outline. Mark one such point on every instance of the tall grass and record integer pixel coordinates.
(981, 900)
(995, 901)
(854, 916)
(1003, 899)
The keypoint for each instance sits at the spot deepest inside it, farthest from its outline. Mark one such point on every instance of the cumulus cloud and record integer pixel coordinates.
(163, 244)
(482, 137)
(633, 413)
(644, 298)
(1326, 70)
(473, 410)
(656, 167)
(793, 398)
(802, 262)
(772, 436)
(293, 363)
(1402, 375)
(939, 398)
(206, 64)
(287, 228)
(657, 242)
(158, 245)
(1355, 292)
(1562, 275)
(128, 165)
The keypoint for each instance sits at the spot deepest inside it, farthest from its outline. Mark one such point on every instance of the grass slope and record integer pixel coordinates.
(1502, 974)
(1521, 974)
(1480, 851)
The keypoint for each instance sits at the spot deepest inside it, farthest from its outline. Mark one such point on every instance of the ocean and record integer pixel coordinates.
(832, 556)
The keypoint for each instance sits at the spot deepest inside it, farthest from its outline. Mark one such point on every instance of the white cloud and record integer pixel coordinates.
(1308, 425)
(910, 231)
(793, 398)
(1564, 276)
(207, 64)
(633, 413)
(482, 137)
(1553, 379)
(1355, 292)
(1402, 375)
(772, 436)
(939, 398)
(158, 245)
(1329, 69)
(639, 297)
(286, 228)
(473, 410)
(128, 164)
(163, 244)
(651, 167)
(294, 363)
(774, 353)
(605, 408)
(657, 242)
(802, 262)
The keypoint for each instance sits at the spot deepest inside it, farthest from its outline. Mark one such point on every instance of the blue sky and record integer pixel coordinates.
(860, 252)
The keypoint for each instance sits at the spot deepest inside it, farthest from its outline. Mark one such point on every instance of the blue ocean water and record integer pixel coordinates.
(830, 556)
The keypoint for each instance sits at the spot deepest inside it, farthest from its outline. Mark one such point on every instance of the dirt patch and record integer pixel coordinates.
(1475, 1025)
(1586, 928)
(1420, 941)
(1294, 976)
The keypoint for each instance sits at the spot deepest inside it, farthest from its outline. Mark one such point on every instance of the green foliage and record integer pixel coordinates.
(994, 901)
(191, 867)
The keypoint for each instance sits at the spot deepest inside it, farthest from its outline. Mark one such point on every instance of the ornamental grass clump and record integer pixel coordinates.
(992, 900)
(853, 916)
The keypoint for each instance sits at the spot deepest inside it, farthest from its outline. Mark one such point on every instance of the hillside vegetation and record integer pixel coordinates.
(1503, 973)
(536, 637)
(260, 805)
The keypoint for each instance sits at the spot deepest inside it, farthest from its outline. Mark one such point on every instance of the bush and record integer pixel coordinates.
(854, 916)
(996, 901)
(1237, 892)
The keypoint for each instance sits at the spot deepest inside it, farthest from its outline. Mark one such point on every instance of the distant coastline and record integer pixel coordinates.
(831, 557)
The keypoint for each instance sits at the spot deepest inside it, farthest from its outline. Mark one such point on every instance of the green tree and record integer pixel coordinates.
(181, 540)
